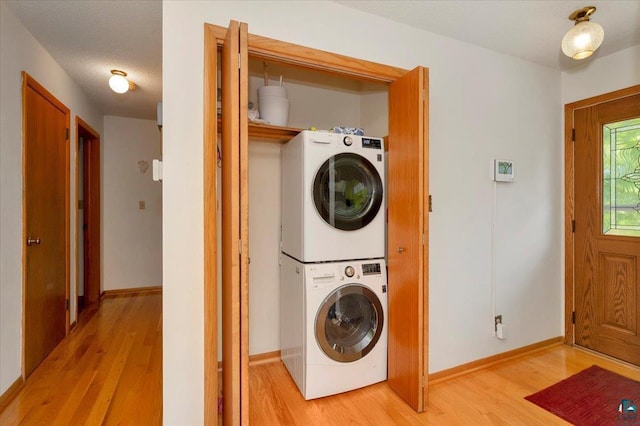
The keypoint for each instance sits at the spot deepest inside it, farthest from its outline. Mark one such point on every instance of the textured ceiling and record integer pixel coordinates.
(531, 30)
(89, 38)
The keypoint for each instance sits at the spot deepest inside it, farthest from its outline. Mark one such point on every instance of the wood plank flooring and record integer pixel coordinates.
(109, 371)
(492, 396)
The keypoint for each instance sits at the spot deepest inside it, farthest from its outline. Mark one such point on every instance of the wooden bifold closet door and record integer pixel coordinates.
(408, 238)
(235, 224)
(407, 221)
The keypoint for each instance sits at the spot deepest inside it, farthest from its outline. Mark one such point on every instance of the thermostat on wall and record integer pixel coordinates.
(503, 171)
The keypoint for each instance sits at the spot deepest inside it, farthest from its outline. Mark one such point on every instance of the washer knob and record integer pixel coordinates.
(349, 271)
(348, 140)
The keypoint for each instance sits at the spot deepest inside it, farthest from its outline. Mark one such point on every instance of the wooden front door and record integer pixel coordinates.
(46, 222)
(607, 228)
(408, 189)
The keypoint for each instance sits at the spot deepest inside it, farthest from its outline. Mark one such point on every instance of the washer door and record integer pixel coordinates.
(347, 191)
(349, 323)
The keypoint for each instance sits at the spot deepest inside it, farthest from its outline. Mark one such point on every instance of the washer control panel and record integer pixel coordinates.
(371, 269)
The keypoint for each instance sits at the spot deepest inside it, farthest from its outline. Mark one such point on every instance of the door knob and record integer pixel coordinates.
(33, 241)
(400, 249)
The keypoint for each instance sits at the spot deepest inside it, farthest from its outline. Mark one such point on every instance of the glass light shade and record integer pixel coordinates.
(582, 40)
(119, 83)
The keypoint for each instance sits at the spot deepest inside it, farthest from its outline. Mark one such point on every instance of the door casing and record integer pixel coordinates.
(569, 210)
(90, 215)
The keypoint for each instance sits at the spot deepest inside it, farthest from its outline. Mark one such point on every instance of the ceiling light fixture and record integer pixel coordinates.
(119, 83)
(585, 37)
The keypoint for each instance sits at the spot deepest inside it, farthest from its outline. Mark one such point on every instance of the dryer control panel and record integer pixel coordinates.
(372, 143)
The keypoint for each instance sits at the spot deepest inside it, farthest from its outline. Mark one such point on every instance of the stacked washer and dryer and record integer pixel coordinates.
(333, 290)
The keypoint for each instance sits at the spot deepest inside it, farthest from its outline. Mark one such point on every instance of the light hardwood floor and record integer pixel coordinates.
(492, 396)
(109, 371)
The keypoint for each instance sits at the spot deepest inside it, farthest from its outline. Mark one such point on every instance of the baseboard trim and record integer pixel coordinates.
(126, 292)
(490, 361)
(10, 393)
(72, 326)
(264, 358)
(257, 359)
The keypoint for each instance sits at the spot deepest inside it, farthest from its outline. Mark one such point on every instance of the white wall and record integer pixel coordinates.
(264, 247)
(132, 237)
(483, 105)
(603, 75)
(20, 51)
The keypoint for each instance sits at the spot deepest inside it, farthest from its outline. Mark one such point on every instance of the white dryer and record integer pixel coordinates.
(333, 197)
(333, 324)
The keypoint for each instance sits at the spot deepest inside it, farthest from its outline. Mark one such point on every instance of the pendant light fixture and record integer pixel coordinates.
(585, 37)
(119, 83)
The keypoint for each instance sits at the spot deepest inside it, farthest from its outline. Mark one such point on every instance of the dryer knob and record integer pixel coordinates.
(349, 271)
(348, 140)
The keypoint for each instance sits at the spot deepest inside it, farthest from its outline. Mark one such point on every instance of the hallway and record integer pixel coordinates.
(107, 371)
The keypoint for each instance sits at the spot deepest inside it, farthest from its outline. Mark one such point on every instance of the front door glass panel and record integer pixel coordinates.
(621, 178)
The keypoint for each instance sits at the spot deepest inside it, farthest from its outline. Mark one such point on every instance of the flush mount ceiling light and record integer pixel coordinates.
(585, 37)
(119, 83)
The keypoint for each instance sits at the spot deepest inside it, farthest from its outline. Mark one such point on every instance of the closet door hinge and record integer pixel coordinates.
(66, 304)
(573, 225)
(573, 317)
(430, 204)
(240, 247)
(66, 134)
(573, 135)
(239, 61)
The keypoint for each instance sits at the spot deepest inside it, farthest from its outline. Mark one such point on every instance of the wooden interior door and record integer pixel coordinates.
(408, 189)
(235, 306)
(91, 210)
(46, 222)
(607, 248)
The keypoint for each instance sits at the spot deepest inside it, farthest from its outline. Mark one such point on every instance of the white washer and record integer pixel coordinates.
(333, 197)
(333, 324)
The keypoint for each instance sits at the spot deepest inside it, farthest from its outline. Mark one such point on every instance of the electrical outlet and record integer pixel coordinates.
(497, 320)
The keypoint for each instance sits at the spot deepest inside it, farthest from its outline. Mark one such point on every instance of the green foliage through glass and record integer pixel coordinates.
(621, 178)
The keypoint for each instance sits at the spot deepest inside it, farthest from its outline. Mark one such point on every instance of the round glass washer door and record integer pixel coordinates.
(347, 191)
(349, 323)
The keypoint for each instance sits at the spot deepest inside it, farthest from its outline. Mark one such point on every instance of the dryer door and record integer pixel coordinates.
(349, 323)
(347, 191)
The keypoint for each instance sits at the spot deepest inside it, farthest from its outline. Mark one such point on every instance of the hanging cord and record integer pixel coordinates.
(493, 257)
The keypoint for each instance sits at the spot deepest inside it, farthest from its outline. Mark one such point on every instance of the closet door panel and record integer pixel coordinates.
(234, 227)
(211, 214)
(407, 237)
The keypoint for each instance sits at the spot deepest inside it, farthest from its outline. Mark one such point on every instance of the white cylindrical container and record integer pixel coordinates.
(273, 105)
(272, 91)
